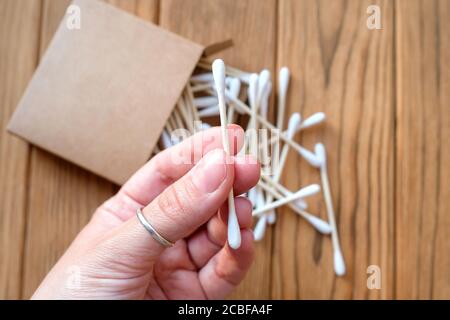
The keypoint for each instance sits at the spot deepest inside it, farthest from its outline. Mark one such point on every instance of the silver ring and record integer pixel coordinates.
(155, 235)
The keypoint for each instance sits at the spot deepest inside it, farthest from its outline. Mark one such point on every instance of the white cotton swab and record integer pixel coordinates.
(209, 111)
(302, 193)
(265, 100)
(234, 232)
(294, 123)
(203, 77)
(203, 102)
(313, 120)
(319, 224)
(306, 154)
(253, 143)
(263, 82)
(234, 90)
(339, 264)
(283, 83)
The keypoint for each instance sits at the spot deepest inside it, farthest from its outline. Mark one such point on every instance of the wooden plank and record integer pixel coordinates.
(19, 45)
(62, 195)
(252, 25)
(423, 151)
(340, 67)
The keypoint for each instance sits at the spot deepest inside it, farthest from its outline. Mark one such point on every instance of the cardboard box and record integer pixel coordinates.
(102, 94)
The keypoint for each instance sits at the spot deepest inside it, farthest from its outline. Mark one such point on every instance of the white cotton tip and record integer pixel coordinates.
(283, 80)
(320, 225)
(165, 139)
(321, 154)
(235, 87)
(265, 100)
(311, 158)
(260, 228)
(263, 80)
(202, 102)
(271, 217)
(294, 122)
(260, 201)
(313, 120)
(301, 204)
(203, 77)
(209, 111)
(218, 68)
(339, 264)
(234, 231)
(308, 191)
(253, 89)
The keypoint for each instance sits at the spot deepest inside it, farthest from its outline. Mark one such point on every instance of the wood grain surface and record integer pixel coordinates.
(386, 94)
(422, 149)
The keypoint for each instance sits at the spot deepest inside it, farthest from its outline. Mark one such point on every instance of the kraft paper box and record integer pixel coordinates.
(102, 93)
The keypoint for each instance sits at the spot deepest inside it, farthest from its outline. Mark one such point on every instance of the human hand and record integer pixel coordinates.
(114, 257)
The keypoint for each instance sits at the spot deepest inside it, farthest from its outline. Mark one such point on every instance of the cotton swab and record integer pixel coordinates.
(234, 90)
(283, 83)
(203, 77)
(302, 193)
(263, 82)
(184, 114)
(209, 111)
(294, 122)
(234, 232)
(313, 120)
(190, 104)
(308, 155)
(339, 264)
(202, 86)
(203, 102)
(319, 224)
(251, 127)
(233, 72)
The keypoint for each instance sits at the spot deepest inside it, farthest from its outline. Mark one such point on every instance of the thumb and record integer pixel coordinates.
(180, 209)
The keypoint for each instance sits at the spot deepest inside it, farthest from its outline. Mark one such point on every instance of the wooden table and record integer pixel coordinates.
(387, 97)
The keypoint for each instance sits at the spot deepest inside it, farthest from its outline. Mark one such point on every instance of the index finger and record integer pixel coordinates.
(173, 163)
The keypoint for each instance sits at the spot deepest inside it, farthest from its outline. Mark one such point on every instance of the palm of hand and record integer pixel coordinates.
(118, 259)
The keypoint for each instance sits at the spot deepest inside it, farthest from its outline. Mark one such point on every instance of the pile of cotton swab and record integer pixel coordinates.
(224, 93)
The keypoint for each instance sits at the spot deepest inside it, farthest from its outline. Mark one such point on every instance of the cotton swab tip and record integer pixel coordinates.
(235, 87)
(234, 232)
(308, 191)
(320, 225)
(321, 154)
(271, 217)
(218, 68)
(263, 81)
(283, 79)
(339, 264)
(301, 204)
(313, 120)
(294, 122)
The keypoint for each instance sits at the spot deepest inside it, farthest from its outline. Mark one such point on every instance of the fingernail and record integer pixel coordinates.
(211, 171)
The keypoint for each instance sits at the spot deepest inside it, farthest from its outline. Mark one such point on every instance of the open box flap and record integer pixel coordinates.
(102, 94)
